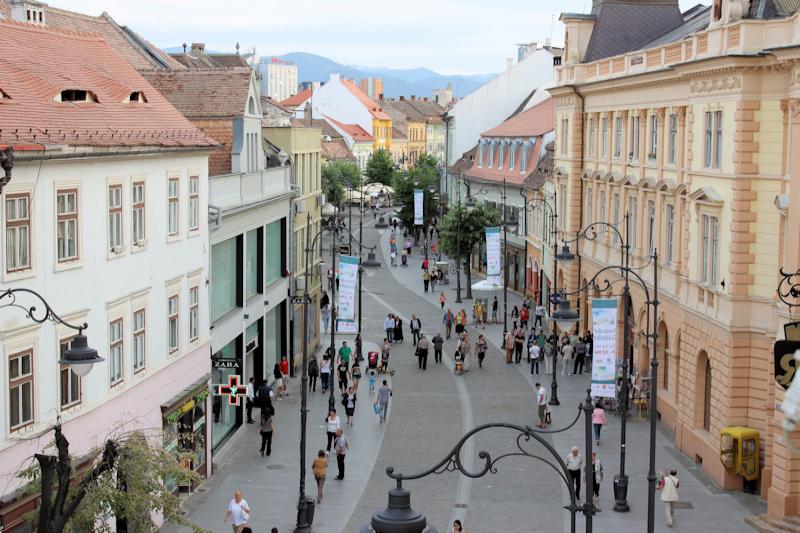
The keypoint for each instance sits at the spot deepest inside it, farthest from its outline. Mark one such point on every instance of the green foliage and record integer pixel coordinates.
(380, 168)
(472, 222)
(336, 177)
(425, 173)
(129, 492)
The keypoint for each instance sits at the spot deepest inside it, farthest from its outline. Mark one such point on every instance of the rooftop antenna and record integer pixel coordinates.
(184, 48)
(237, 49)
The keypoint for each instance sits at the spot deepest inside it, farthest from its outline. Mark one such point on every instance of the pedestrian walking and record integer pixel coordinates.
(313, 373)
(567, 353)
(342, 371)
(448, 320)
(388, 325)
(393, 257)
(340, 447)
(332, 424)
(345, 352)
(538, 321)
(422, 351)
(320, 470)
(588, 340)
(384, 393)
(355, 374)
(434, 280)
(598, 421)
(457, 527)
(574, 464)
(324, 300)
(349, 403)
(508, 346)
(267, 428)
(238, 512)
(385, 352)
(326, 318)
(534, 353)
(519, 342)
(278, 375)
(426, 279)
(514, 317)
(669, 495)
(325, 373)
(480, 349)
(541, 405)
(597, 476)
(371, 382)
(416, 326)
(398, 329)
(580, 356)
(442, 299)
(466, 351)
(251, 399)
(438, 342)
(460, 321)
(523, 317)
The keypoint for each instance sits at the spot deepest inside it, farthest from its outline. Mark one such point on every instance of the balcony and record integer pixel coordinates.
(230, 191)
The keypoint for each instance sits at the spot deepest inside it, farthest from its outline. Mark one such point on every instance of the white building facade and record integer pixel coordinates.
(279, 78)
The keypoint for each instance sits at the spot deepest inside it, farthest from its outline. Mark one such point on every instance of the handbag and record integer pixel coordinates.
(376, 408)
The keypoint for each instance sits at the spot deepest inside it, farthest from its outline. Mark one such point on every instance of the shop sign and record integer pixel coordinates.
(188, 406)
(785, 364)
(226, 363)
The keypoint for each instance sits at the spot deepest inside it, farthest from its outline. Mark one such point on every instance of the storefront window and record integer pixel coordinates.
(273, 338)
(185, 433)
(274, 252)
(224, 415)
(223, 278)
(252, 250)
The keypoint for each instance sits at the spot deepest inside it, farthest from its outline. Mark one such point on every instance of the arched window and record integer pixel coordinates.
(663, 355)
(702, 388)
(251, 106)
(707, 397)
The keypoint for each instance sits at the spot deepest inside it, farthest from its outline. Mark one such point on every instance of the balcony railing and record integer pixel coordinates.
(234, 190)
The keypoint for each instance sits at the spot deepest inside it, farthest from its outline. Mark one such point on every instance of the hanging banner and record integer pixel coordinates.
(604, 358)
(494, 257)
(419, 217)
(348, 275)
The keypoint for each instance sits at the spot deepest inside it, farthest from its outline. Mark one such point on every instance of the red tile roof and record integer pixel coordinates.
(336, 149)
(353, 130)
(536, 121)
(372, 106)
(297, 99)
(513, 176)
(210, 93)
(38, 63)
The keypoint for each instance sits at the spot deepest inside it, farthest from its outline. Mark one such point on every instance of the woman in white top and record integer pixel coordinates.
(325, 374)
(332, 424)
(238, 511)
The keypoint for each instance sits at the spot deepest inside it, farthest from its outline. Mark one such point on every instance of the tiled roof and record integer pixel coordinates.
(297, 99)
(84, 61)
(512, 176)
(336, 149)
(429, 109)
(536, 121)
(266, 100)
(372, 106)
(544, 167)
(353, 130)
(694, 20)
(464, 163)
(212, 93)
(398, 135)
(137, 51)
(204, 61)
(324, 126)
(622, 25)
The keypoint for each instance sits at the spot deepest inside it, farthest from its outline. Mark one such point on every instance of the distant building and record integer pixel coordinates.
(196, 58)
(409, 127)
(358, 141)
(372, 86)
(443, 97)
(278, 78)
(297, 103)
(435, 133)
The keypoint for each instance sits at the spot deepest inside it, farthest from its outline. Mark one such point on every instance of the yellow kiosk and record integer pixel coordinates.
(739, 453)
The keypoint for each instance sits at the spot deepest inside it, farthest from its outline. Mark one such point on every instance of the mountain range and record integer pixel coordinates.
(396, 82)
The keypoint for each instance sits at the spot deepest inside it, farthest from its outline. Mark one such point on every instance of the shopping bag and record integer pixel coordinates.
(376, 408)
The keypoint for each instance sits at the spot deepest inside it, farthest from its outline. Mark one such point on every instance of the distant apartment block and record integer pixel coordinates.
(278, 78)
(373, 87)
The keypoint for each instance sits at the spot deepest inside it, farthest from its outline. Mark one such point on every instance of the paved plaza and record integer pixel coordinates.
(429, 412)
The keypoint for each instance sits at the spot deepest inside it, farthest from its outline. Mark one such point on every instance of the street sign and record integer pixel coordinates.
(785, 365)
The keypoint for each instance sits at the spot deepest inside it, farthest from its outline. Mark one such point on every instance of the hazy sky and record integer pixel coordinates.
(449, 36)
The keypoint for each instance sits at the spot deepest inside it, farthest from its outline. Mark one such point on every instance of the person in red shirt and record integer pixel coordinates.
(523, 317)
(285, 375)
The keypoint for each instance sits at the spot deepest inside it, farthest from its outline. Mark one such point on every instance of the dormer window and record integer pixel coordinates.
(35, 16)
(136, 97)
(76, 95)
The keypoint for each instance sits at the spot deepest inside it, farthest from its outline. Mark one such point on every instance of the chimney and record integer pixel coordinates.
(402, 98)
(509, 62)
(198, 47)
(425, 99)
(184, 47)
(380, 96)
(413, 98)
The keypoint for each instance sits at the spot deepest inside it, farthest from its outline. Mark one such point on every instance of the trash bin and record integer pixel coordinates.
(308, 519)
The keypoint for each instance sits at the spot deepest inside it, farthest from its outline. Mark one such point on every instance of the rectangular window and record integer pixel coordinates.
(194, 203)
(718, 139)
(617, 219)
(67, 222)
(670, 231)
(591, 136)
(194, 313)
(274, 253)
(604, 137)
(564, 135)
(709, 135)
(589, 205)
(137, 213)
(115, 218)
(512, 152)
(224, 278)
(172, 214)
(115, 351)
(673, 139)
(651, 226)
(563, 217)
(632, 208)
(139, 340)
(653, 137)
(20, 390)
(634, 153)
(710, 250)
(18, 232)
(602, 206)
(70, 382)
(172, 323)
(706, 248)
(617, 137)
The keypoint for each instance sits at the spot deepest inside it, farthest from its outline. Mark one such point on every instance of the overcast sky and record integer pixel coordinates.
(449, 36)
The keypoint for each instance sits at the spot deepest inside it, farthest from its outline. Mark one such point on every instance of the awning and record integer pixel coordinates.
(190, 391)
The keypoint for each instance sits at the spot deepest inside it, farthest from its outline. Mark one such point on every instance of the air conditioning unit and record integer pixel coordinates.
(299, 207)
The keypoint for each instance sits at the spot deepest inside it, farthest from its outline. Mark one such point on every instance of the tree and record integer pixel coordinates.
(423, 175)
(472, 224)
(380, 168)
(336, 177)
(126, 480)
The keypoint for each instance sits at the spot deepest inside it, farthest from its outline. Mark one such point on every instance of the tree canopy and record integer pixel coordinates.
(473, 223)
(423, 175)
(380, 168)
(336, 177)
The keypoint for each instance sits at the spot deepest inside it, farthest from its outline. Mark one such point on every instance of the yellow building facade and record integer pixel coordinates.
(382, 134)
(695, 137)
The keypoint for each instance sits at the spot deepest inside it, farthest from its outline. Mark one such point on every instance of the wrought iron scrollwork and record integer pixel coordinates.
(8, 298)
(789, 288)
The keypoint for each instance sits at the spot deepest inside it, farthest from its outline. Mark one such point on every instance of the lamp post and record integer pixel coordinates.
(621, 480)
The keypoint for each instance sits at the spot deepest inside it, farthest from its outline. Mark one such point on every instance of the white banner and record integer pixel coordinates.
(604, 349)
(419, 216)
(494, 257)
(348, 275)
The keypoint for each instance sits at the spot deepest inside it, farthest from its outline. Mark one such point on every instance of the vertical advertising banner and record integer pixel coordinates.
(494, 257)
(604, 358)
(419, 216)
(346, 308)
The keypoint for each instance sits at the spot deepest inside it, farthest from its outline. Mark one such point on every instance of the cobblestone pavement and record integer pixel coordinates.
(429, 412)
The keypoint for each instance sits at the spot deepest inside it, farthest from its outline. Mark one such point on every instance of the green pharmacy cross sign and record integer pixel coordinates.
(233, 390)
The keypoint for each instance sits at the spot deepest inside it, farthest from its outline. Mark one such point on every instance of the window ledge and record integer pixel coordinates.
(138, 248)
(17, 275)
(173, 238)
(193, 233)
(115, 255)
(67, 265)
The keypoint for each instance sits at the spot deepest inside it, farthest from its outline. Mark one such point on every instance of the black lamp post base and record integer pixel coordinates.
(305, 515)
(381, 223)
(621, 494)
(554, 401)
(371, 262)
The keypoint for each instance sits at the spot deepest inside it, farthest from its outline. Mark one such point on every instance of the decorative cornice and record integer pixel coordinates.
(715, 85)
